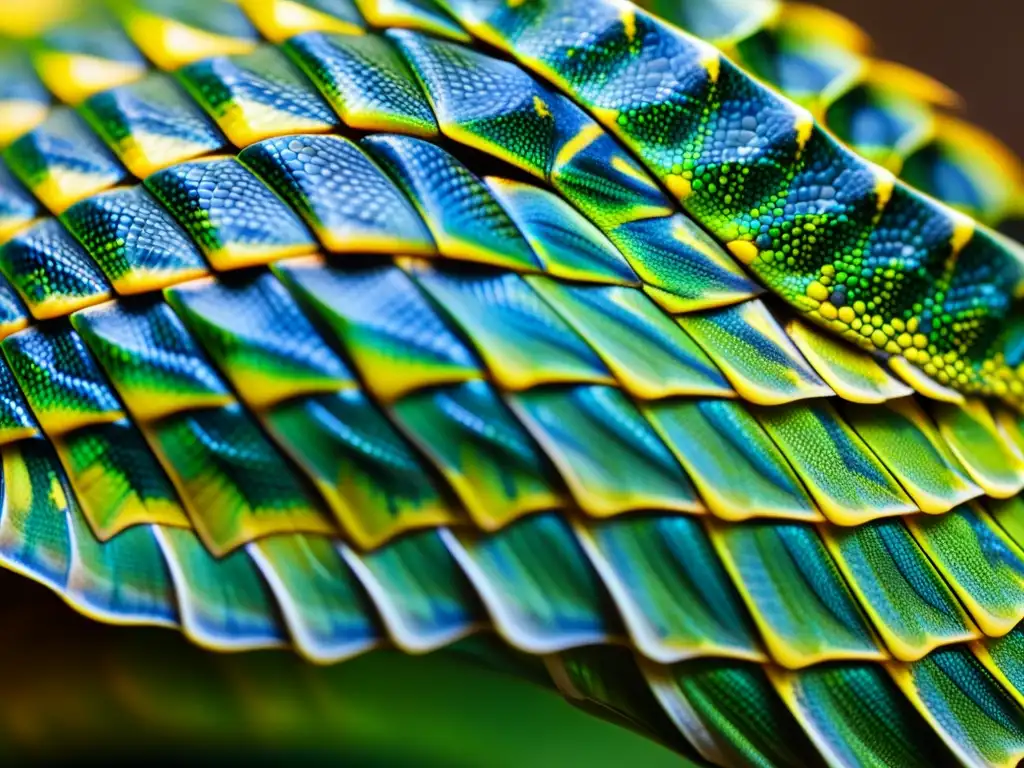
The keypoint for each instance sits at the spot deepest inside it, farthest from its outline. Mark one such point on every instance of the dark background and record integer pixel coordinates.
(974, 46)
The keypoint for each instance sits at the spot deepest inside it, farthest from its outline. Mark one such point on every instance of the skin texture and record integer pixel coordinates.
(642, 363)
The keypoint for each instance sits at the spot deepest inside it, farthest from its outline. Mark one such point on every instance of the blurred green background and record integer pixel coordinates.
(75, 692)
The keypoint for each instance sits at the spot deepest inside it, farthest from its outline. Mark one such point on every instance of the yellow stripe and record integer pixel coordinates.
(587, 135)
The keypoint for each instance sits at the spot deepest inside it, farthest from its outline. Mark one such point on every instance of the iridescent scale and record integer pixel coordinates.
(349, 322)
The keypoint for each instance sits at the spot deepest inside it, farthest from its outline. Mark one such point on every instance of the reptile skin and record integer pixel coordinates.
(671, 353)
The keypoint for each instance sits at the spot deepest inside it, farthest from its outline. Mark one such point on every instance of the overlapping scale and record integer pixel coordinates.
(24, 100)
(372, 480)
(540, 590)
(424, 598)
(172, 33)
(43, 535)
(382, 446)
(565, 242)
(972, 436)
(16, 419)
(981, 728)
(134, 240)
(118, 482)
(482, 101)
(633, 471)
(279, 20)
(17, 206)
(905, 597)
(34, 537)
(329, 616)
(467, 223)
(258, 95)
(847, 481)
(737, 468)
(62, 161)
(852, 374)
(903, 437)
(234, 482)
(394, 336)
(795, 593)
(151, 124)
(86, 55)
(224, 602)
(731, 714)
(755, 354)
(646, 352)
(1001, 656)
(150, 358)
(341, 193)
(233, 216)
(671, 588)
(365, 81)
(984, 567)
(257, 334)
(487, 457)
(880, 729)
(522, 340)
(63, 384)
(124, 580)
(13, 314)
(51, 272)
(801, 211)
(682, 268)
(493, 106)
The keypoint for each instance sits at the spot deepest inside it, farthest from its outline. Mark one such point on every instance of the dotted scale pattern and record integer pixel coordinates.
(337, 328)
(899, 118)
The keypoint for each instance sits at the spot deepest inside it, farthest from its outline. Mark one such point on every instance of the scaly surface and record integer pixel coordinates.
(352, 323)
